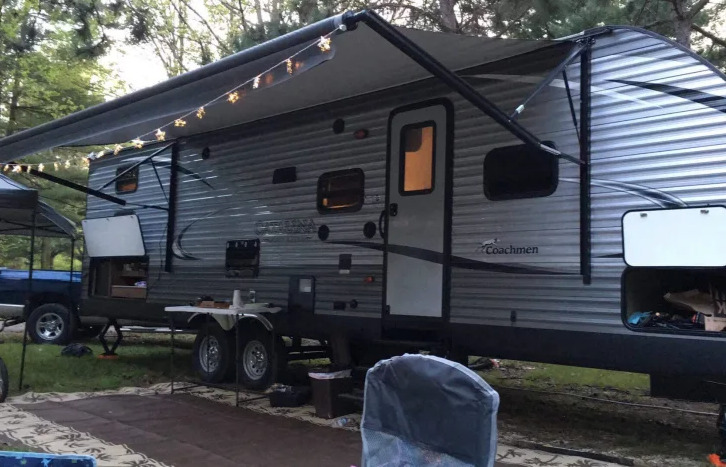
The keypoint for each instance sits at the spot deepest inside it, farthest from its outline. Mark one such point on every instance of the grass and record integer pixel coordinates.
(560, 377)
(141, 362)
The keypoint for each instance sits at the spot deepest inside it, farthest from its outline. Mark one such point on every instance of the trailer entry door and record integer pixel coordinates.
(418, 227)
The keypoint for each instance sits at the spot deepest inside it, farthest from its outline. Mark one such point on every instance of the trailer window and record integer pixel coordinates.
(127, 182)
(515, 172)
(340, 191)
(416, 172)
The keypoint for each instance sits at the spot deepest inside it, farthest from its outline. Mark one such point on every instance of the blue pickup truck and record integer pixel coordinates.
(49, 309)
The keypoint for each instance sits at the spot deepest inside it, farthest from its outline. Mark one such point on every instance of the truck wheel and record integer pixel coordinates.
(213, 353)
(258, 367)
(50, 324)
(4, 381)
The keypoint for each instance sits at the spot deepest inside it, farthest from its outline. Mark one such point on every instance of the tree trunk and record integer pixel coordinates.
(46, 254)
(682, 23)
(14, 100)
(448, 16)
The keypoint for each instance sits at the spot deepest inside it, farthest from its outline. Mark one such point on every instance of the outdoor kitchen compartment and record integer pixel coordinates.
(119, 277)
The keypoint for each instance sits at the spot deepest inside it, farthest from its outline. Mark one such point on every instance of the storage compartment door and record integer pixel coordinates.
(690, 237)
(108, 237)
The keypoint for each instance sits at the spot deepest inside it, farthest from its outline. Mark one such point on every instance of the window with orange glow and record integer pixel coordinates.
(417, 158)
(341, 191)
(127, 182)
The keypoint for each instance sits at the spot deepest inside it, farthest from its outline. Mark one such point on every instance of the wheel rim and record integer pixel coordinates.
(49, 326)
(255, 360)
(209, 354)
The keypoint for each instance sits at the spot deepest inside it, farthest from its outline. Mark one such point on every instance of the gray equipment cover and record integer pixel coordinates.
(421, 410)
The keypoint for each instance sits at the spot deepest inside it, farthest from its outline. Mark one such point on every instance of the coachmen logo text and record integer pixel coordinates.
(491, 247)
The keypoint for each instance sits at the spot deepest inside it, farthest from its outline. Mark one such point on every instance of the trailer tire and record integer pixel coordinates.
(213, 363)
(50, 323)
(4, 381)
(258, 366)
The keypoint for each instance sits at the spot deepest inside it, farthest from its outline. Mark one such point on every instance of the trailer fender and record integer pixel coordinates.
(226, 322)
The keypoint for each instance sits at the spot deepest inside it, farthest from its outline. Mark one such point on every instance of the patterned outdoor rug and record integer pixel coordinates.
(19, 424)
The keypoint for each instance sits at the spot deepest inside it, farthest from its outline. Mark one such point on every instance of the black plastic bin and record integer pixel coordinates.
(292, 396)
(326, 389)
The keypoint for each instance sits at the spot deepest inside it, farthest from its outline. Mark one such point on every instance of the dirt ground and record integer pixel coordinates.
(651, 436)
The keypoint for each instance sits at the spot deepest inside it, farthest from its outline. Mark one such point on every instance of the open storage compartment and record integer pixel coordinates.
(119, 277)
(675, 300)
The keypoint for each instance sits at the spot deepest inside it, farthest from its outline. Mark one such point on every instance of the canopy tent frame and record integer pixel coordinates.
(17, 198)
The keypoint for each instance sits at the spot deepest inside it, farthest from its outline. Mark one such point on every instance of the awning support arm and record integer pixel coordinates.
(75, 186)
(572, 104)
(142, 161)
(448, 77)
(574, 53)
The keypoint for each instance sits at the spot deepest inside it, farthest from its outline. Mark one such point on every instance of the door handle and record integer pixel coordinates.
(393, 209)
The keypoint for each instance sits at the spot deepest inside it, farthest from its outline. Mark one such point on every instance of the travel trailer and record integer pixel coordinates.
(531, 200)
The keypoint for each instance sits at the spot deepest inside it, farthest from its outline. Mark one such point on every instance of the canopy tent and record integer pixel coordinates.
(21, 211)
(361, 61)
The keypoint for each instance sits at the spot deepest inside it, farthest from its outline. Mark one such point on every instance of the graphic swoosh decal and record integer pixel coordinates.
(657, 197)
(456, 261)
(177, 247)
(699, 97)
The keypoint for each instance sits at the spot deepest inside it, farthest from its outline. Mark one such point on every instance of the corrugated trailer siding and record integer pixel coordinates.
(153, 221)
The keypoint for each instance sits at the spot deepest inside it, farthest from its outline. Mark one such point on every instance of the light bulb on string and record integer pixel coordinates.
(324, 44)
(56, 166)
(201, 112)
(256, 82)
(6, 167)
(17, 169)
(160, 135)
(233, 97)
(68, 164)
(138, 144)
(41, 167)
(117, 149)
(179, 122)
(100, 154)
(288, 64)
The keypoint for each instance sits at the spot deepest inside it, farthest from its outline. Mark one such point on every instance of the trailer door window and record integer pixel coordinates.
(416, 173)
(127, 182)
(341, 191)
(515, 172)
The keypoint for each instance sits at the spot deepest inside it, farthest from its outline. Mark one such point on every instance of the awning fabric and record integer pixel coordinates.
(362, 62)
(17, 203)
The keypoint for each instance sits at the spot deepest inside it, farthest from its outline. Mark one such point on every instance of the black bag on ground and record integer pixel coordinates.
(76, 350)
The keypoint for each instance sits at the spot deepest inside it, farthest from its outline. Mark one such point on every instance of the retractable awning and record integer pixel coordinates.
(17, 205)
(360, 62)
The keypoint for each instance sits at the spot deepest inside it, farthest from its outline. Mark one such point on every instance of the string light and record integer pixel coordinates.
(100, 154)
(290, 64)
(41, 167)
(324, 44)
(68, 164)
(17, 169)
(6, 167)
(56, 166)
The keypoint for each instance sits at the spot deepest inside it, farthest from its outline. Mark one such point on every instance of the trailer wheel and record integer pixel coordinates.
(50, 324)
(213, 353)
(258, 367)
(4, 381)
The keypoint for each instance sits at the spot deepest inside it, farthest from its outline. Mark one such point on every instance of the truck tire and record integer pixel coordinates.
(4, 381)
(50, 324)
(258, 366)
(213, 354)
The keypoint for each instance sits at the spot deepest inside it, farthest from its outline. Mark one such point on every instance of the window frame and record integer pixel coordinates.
(402, 159)
(119, 170)
(542, 193)
(336, 173)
